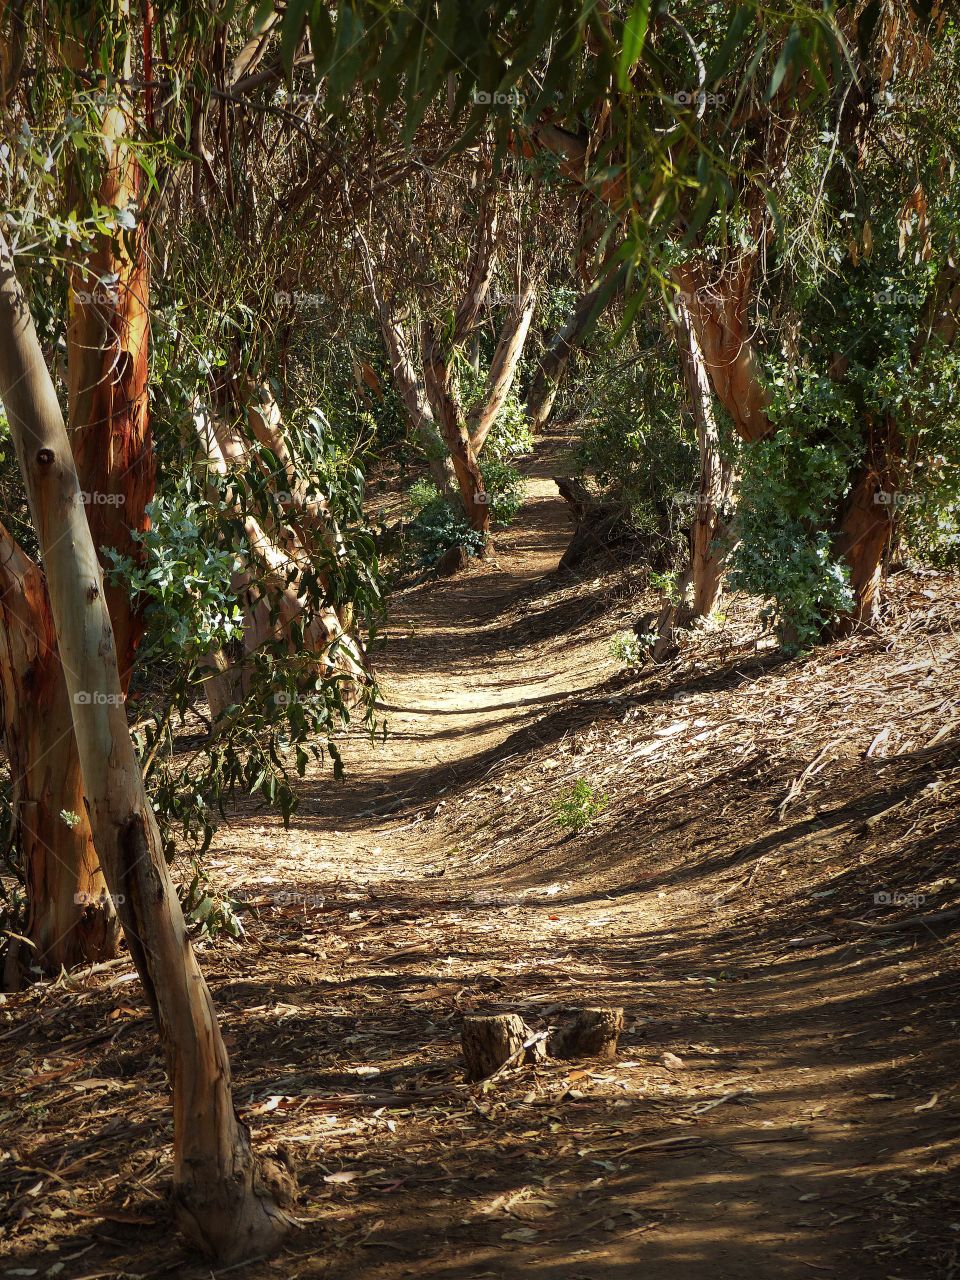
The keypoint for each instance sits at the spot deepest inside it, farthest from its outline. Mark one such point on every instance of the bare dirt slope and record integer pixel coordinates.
(770, 893)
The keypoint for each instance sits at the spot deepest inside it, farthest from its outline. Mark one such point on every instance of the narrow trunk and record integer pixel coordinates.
(869, 519)
(709, 529)
(223, 1205)
(503, 366)
(268, 584)
(700, 588)
(404, 374)
(453, 428)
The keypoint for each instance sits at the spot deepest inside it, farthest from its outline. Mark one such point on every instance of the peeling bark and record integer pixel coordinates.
(719, 311)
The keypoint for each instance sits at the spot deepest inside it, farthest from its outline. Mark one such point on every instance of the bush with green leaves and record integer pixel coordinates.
(790, 483)
(504, 487)
(635, 447)
(627, 649)
(577, 807)
(437, 527)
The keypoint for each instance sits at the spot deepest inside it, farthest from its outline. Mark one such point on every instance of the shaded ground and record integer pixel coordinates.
(785, 1102)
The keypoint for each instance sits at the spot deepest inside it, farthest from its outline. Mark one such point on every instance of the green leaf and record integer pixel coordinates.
(792, 44)
(634, 37)
(291, 32)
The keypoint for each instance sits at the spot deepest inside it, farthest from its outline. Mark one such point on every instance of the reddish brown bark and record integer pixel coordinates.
(71, 915)
(719, 309)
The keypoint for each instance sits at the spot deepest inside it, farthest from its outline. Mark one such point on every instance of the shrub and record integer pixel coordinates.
(577, 807)
(437, 527)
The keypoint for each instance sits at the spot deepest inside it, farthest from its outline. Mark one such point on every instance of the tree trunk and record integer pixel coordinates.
(270, 595)
(709, 528)
(72, 917)
(719, 312)
(222, 1203)
(869, 519)
(503, 366)
(453, 428)
(419, 414)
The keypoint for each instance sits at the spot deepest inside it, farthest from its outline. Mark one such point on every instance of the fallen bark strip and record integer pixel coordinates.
(909, 922)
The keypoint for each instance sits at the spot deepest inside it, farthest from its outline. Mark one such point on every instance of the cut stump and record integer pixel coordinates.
(592, 1033)
(490, 1040)
(453, 561)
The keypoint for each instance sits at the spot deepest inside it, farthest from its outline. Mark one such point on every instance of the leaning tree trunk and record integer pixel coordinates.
(223, 1206)
(555, 360)
(268, 583)
(399, 348)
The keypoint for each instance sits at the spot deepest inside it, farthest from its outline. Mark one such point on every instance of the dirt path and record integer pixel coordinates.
(782, 1106)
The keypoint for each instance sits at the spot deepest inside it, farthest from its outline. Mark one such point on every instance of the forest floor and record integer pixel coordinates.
(762, 894)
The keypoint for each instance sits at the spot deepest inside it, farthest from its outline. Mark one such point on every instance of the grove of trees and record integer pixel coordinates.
(252, 257)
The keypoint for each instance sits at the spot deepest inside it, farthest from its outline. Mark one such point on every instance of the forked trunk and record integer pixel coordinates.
(453, 428)
(223, 1205)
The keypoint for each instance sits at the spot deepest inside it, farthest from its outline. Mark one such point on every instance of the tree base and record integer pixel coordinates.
(237, 1221)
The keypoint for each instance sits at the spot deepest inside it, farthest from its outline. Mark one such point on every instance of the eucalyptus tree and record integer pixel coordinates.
(688, 126)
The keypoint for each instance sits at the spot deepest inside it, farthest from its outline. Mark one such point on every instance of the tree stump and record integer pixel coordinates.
(454, 560)
(593, 1033)
(491, 1040)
